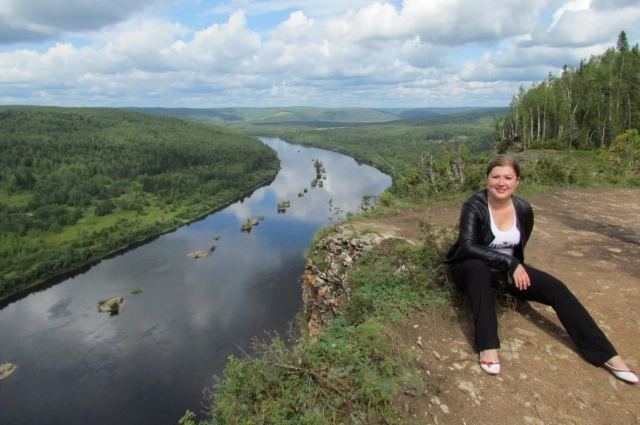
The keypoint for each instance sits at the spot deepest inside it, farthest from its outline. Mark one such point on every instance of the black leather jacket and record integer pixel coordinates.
(475, 235)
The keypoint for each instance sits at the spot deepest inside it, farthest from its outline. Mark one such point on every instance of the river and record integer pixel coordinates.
(150, 363)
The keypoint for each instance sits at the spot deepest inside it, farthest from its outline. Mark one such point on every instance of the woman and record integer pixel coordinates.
(495, 226)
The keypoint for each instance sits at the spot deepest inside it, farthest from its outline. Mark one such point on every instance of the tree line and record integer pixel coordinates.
(585, 107)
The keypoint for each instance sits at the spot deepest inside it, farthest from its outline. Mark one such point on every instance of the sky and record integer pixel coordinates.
(327, 53)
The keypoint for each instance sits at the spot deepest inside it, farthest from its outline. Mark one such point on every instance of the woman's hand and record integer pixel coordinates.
(521, 278)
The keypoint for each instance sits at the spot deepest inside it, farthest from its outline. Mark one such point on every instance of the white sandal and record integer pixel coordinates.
(492, 368)
(630, 376)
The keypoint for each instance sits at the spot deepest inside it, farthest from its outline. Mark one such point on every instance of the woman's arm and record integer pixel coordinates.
(470, 242)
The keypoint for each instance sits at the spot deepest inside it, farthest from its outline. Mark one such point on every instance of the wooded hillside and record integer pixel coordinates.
(396, 146)
(585, 107)
(77, 184)
(303, 114)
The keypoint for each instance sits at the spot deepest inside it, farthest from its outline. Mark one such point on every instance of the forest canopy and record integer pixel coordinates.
(585, 107)
(115, 176)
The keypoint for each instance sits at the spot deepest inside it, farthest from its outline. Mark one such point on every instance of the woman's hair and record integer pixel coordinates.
(504, 160)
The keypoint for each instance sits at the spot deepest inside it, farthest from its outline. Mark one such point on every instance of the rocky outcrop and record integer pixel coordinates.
(324, 289)
(6, 370)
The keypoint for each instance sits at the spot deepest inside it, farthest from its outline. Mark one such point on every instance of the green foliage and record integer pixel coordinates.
(114, 307)
(624, 153)
(389, 147)
(325, 116)
(78, 184)
(283, 205)
(188, 419)
(346, 376)
(136, 291)
(575, 168)
(385, 199)
(275, 114)
(586, 107)
(548, 171)
(104, 207)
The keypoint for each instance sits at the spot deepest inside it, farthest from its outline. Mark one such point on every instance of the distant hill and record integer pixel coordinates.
(409, 113)
(308, 115)
(484, 116)
(276, 115)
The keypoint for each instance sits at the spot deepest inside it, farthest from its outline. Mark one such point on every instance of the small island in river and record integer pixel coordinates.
(113, 305)
(6, 370)
(199, 254)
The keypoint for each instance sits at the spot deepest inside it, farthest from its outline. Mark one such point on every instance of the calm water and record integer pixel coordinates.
(150, 363)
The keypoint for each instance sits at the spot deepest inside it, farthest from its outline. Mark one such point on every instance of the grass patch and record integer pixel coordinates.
(347, 376)
(15, 200)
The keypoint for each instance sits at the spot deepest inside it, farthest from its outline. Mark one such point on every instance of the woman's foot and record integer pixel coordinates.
(620, 370)
(489, 362)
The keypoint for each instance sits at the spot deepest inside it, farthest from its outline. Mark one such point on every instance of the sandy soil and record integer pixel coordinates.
(590, 239)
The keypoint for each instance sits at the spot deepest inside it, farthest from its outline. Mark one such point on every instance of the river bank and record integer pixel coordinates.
(153, 224)
(430, 373)
(79, 365)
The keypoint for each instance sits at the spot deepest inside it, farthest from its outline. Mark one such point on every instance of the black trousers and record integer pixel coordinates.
(476, 279)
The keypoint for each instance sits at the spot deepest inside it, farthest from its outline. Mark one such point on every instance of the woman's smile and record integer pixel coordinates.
(502, 182)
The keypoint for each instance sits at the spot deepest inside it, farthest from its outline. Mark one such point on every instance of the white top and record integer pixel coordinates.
(505, 241)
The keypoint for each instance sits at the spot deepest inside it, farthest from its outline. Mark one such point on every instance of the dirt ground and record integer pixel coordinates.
(590, 239)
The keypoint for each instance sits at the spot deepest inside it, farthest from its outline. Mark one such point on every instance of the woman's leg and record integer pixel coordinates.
(583, 330)
(474, 277)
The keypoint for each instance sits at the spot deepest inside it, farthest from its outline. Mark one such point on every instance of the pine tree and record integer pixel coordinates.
(623, 43)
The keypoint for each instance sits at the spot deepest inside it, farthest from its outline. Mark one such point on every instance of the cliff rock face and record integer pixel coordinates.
(325, 288)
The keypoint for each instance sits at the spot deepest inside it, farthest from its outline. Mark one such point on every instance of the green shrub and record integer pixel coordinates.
(346, 376)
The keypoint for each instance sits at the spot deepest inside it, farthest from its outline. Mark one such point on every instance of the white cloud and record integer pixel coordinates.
(613, 4)
(295, 29)
(572, 6)
(423, 55)
(40, 20)
(577, 24)
(368, 53)
(443, 22)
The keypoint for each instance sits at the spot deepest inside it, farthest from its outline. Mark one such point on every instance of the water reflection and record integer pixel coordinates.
(150, 363)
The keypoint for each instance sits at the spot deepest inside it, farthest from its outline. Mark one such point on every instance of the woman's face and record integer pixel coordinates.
(502, 182)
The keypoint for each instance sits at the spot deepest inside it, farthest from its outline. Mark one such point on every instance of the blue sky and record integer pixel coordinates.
(206, 53)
